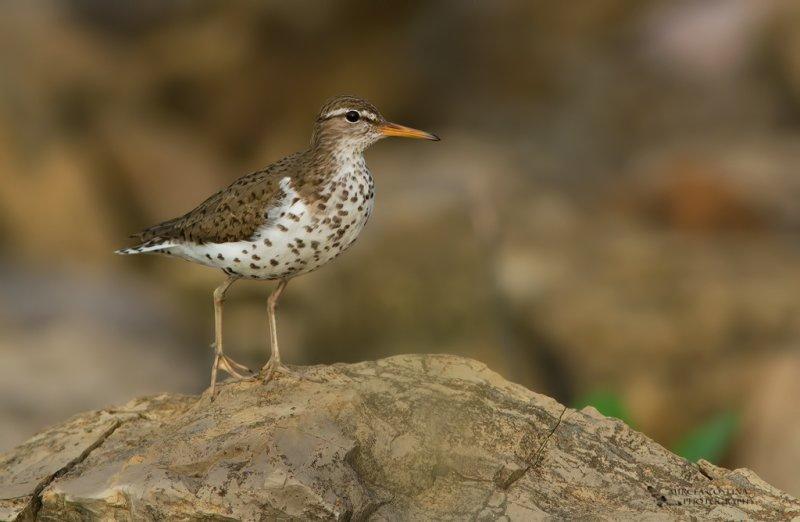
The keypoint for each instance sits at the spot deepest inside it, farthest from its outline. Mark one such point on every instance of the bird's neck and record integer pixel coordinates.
(334, 161)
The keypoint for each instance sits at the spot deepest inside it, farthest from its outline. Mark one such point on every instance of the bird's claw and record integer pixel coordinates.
(273, 367)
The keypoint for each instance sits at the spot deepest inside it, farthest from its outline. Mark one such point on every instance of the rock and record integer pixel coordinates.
(406, 438)
(81, 331)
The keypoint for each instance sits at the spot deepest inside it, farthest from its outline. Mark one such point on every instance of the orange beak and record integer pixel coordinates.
(393, 129)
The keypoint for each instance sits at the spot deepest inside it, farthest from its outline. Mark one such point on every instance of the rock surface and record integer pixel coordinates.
(404, 438)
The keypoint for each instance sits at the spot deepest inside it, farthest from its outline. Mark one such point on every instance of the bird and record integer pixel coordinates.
(282, 221)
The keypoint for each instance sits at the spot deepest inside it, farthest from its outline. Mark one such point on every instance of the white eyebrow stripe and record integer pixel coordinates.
(338, 112)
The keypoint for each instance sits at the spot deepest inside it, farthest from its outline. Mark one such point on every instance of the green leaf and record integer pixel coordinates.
(608, 403)
(710, 440)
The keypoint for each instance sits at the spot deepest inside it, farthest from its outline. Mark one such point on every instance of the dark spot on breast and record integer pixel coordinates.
(208, 256)
(219, 256)
(244, 252)
(321, 206)
(282, 228)
(256, 257)
(273, 262)
(237, 260)
(254, 266)
(268, 242)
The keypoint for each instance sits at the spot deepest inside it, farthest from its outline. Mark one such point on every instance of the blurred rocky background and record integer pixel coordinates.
(613, 216)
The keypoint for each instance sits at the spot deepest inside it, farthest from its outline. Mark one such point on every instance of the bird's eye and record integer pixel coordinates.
(352, 116)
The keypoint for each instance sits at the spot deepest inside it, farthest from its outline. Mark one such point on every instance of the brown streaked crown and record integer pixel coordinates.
(346, 102)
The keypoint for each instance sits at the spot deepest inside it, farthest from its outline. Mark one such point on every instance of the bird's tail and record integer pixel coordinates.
(153, 246)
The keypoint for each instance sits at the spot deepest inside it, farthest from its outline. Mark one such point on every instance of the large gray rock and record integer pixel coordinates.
(405, 438)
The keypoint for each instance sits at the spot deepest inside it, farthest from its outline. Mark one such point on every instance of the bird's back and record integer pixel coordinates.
(233, 213)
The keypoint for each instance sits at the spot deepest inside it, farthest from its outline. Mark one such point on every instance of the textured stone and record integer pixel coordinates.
(406, 438)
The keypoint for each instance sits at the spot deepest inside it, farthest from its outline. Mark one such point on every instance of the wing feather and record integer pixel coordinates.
(233, 213)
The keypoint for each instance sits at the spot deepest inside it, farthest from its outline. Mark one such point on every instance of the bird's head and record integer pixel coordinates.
(350, 124)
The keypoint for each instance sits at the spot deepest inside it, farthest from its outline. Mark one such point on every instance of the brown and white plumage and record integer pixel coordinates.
(276, 223)
(289, 218)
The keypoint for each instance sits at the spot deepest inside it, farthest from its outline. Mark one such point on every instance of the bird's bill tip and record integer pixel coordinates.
(393, 129)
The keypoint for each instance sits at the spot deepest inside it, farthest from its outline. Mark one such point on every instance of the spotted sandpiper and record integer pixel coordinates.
(285, 220)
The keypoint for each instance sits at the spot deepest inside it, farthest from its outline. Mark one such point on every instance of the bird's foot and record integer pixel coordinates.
(236, 377)
(238, 371)
(235, 369)
(274, 367)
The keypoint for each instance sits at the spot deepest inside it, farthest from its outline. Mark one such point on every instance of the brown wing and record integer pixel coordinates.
(232, 214)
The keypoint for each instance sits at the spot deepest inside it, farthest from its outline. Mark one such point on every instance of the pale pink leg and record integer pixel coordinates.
(274, 364)
(222, 361)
